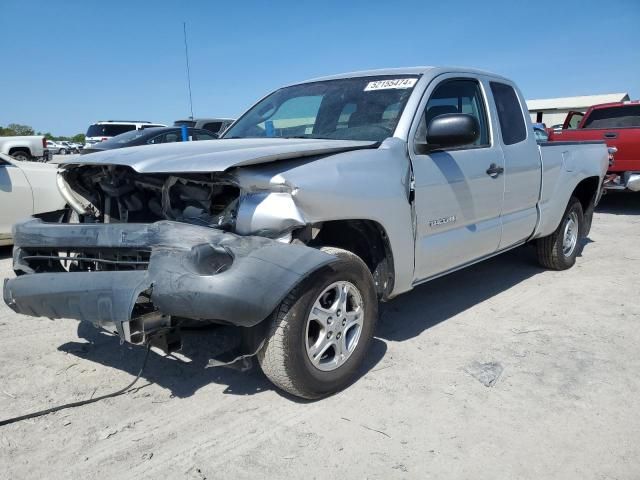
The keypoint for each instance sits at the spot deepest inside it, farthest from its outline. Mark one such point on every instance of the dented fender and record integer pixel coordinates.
(193, 272)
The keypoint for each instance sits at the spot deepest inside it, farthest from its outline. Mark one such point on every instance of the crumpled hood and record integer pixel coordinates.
(215, 155)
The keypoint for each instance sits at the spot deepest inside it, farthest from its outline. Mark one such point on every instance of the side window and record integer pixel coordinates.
(200, 135)
(455, 96)
(213, 126)
(157, 139)
(510, 114)
(172, 137)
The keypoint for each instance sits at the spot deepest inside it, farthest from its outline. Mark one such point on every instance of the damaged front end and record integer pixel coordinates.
(141, 252)
(112, 193)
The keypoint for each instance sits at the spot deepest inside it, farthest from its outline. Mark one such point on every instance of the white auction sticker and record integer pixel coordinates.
(390, 84)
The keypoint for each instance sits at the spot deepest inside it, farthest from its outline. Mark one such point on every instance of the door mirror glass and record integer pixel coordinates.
(452, 130)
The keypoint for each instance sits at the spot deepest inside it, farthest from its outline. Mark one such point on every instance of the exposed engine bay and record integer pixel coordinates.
(118, 194)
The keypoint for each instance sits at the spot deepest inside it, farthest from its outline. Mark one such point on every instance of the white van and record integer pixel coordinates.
(104, 130)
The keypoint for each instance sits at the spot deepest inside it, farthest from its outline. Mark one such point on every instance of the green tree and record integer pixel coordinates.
(5, 132)
(21, 129)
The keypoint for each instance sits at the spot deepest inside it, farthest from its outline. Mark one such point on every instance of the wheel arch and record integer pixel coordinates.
(368, 240)
(13, 150)
(552, 209)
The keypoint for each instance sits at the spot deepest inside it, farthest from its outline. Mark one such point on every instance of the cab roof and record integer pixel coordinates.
(433, 71)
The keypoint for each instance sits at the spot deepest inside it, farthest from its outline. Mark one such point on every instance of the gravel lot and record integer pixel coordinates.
(565, 405)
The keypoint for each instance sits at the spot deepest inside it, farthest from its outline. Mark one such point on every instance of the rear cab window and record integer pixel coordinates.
(108, 130)
(627, 116)
(510, 115)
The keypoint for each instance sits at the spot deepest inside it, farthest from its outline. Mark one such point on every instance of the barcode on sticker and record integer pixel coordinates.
(390, 84)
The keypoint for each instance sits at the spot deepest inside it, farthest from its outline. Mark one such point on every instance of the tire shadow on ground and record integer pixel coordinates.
(185, 375)
(441, 299)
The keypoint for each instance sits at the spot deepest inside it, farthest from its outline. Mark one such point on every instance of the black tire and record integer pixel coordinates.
(62, 151)
(550, 248)
(284, 358)
(21, 156)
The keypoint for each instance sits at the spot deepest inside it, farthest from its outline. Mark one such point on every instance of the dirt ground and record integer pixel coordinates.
(559, 352)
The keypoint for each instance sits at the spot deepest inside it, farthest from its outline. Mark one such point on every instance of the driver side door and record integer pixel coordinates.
(458, 191)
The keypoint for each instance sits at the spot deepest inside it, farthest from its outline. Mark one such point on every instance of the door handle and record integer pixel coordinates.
(611, 135)
(494, 170)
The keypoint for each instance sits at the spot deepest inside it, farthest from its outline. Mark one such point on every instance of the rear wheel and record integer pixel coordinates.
(320, 333)
(21, 156)
(559, 250)
(63, 151)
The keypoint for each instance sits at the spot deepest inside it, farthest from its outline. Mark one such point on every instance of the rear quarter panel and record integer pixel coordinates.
(33, 143)
(564, 166)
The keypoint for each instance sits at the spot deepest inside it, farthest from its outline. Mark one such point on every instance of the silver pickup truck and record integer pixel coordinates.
(324, 198)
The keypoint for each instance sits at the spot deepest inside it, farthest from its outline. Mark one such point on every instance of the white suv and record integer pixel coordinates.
(100, 131)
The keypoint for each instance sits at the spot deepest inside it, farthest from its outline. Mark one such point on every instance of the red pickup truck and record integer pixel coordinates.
(618, 124)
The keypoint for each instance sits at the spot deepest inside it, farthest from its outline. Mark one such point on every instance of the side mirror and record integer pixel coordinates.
(452, 130)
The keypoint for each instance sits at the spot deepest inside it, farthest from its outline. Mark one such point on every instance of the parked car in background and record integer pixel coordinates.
(26, 188)
(214, 125)
(104, 130)
(71, 147)
(57, 148)
(324, 198)
(25, 148)
(540, 132)
(617, 124)
(149, 136)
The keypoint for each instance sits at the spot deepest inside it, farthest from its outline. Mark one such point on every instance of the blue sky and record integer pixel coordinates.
(69, 63)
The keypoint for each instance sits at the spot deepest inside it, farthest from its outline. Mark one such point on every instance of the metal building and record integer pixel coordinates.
(553, 111)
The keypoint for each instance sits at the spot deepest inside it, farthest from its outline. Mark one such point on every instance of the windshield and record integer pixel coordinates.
(108, 130)
(364, 108)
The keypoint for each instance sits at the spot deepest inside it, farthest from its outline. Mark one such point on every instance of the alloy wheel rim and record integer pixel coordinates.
(334, 326)
(570, 237)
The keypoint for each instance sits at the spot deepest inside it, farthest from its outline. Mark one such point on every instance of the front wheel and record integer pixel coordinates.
(559, 250)
(62, 151)
(320, 333)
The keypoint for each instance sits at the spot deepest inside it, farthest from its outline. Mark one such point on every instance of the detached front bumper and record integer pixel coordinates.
(148, 273)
